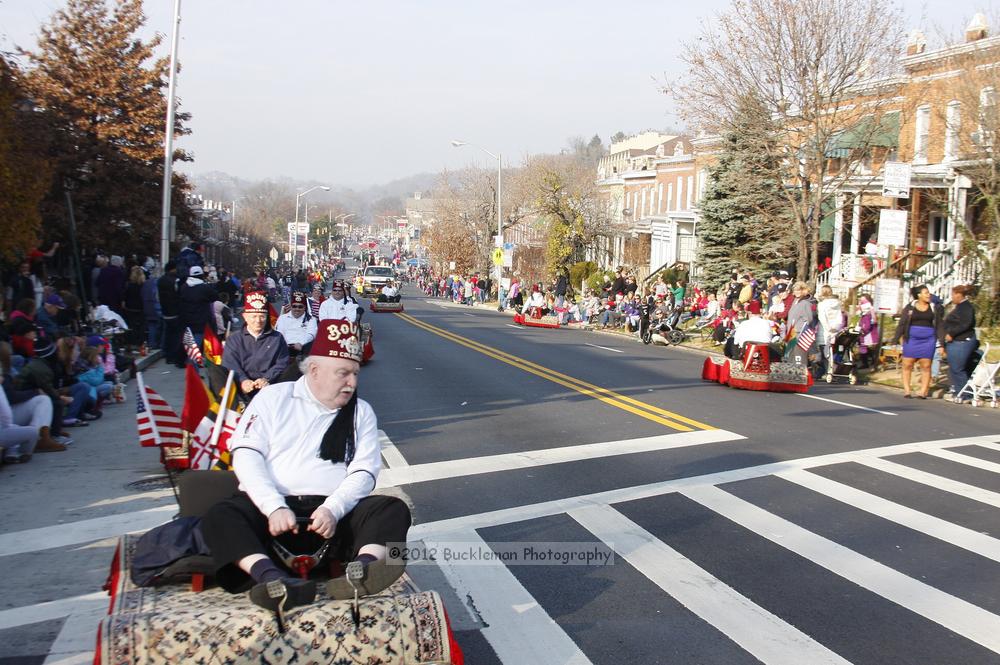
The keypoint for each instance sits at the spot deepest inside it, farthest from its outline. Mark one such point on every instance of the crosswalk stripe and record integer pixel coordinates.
(517, 626)
(761, 633)
(940, 482)
(469, 466)
(936, 527)
(959, 616)
(962, 458)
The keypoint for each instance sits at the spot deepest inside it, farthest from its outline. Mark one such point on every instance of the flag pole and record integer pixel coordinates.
(220, 417)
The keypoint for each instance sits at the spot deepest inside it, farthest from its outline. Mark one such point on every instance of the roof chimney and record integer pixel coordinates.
(916, 43)
(977, 29)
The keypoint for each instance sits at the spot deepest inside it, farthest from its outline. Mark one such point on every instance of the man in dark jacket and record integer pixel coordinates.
(257, 354)
(166, 288)
(188, 258)
(196, 301)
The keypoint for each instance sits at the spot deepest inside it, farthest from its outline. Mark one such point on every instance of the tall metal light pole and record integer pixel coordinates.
(296, 245)
(168, 149)
(459, 144)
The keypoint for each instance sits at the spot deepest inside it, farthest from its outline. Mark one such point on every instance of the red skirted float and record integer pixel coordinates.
(757, 372)
(534, 319)
(377, 306)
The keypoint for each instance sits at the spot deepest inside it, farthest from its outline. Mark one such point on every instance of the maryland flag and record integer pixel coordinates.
(211, 346)
(207, 437)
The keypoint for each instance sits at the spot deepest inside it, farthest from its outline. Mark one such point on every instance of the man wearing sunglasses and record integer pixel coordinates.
(297, 326)
(340, 305)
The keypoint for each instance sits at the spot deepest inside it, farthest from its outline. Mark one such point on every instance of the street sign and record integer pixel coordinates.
(274, 254)
(508, 259)
(887, 295)
(892, 227)
(498, 256)
(498, 241)
(896, 180)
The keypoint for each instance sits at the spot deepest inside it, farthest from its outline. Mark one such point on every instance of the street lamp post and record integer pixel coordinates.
(305, 254)
(459, 144)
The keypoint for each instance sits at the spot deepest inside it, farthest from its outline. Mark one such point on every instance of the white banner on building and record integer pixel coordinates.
(887, 293)
(892, 227)
(896, 180)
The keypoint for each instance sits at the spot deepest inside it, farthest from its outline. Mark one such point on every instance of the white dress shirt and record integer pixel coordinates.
(338, 309)
(754, 329)
(276, 451)
(296, 329)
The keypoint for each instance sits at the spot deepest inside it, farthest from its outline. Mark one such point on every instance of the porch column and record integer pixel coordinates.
(856, 224)
(838, 233)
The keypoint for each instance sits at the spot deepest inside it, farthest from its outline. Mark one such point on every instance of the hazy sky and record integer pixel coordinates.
(359, 93)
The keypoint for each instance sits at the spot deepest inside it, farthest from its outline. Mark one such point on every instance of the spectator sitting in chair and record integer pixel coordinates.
(257, 354)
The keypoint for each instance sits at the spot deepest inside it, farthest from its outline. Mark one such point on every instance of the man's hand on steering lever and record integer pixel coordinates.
(281, 521)
(323, 522)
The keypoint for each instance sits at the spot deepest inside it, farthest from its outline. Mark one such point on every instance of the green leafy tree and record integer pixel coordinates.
(24, 167)
(744, 219)
(104, 93)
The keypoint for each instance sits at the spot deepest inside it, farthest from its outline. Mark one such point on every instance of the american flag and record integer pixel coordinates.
(193, 352)
(806, 338)
(157, 423)
(314, 307)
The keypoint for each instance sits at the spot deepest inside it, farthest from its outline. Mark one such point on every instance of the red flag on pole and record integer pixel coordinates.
(211, 345)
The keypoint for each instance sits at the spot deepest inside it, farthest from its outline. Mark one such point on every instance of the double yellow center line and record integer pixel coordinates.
(619, 401)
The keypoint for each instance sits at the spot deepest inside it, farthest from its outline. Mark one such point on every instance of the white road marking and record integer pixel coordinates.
(152, 494)
(761, 633)
(393, 458)
(940, 482)
(471, 466)
(868, 456)
(606, 348)
(969, 460)
(55, 609)
(955, 614)
(75, 643)
(953, 534)
(518, 628)
(511, 325)
(467, 314)
(853, 406)
(84, 531)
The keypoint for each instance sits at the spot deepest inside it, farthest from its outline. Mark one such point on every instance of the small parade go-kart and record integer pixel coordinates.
(383, 304)
(755, 371)
(172, 620)
(534, 318)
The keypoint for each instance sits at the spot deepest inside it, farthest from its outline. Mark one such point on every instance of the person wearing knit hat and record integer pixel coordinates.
(257, 354)
(297, 325)
(307, 450)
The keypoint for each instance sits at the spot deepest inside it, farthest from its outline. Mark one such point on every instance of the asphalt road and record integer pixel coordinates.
(848, 526)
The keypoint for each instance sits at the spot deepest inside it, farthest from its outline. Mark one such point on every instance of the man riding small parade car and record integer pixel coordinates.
(341, 305)
(388, 293)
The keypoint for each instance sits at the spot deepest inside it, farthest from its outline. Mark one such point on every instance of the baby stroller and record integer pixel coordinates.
(982, 384)
(844, 350)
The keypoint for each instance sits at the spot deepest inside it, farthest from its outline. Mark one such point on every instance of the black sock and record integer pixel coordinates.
(366, 558)
(265, 571)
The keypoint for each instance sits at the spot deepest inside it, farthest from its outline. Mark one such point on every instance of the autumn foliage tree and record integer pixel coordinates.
(102, 91)
(24, 167)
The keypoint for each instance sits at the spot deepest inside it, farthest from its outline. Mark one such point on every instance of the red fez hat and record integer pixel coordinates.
(337, 284)
(298, 298)
(256, 303)
(337, 338)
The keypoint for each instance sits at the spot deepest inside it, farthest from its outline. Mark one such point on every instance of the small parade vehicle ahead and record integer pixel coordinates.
(536, 317)
(756, 371)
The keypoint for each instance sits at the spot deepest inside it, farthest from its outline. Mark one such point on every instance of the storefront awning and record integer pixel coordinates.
(865, 134)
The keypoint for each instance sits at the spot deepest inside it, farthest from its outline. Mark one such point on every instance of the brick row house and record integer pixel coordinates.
(930, 115)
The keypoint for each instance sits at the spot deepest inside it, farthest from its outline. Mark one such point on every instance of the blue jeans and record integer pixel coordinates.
(153, 333)
(958, 359)
(80, 392)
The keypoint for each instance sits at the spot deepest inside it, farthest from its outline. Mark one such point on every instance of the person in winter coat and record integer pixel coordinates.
(111, 284)
(801, 315)
(151, 312)
(959, 337)
(868, 327)
(134, 315)
(195, 299)
(830, 315)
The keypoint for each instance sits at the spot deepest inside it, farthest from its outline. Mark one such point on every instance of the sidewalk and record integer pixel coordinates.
(50, 547)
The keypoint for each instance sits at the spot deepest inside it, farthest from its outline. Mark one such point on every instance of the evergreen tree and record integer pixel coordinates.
(24, 168)
(744, 223)
(101, 89)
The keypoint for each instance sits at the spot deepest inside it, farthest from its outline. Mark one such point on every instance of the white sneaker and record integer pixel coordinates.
(65, 440)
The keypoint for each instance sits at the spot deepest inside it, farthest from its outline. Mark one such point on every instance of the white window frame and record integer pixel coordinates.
(921, 134)
(690, 192)
(953, 127)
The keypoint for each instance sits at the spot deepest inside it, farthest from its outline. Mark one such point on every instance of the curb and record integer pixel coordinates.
(141, 363)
